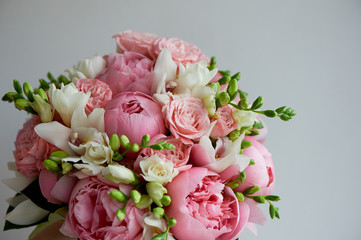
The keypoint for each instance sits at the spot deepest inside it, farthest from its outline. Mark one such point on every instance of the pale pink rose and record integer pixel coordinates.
(134, 114)
(91, 213)
(54, 188)
(178, 156)
(30, 149)
(225, 123)
(260, 174)
(128, 72)
(204, 207)
(131, 41)
(182, 52)
(187, 119)
(100, 93)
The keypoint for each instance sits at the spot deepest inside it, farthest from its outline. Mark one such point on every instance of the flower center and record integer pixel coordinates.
(132, 106)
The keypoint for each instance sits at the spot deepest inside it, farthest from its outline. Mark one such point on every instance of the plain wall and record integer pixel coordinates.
(305, 54)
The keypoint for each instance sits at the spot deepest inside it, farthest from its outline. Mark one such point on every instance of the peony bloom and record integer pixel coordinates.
(91, 213)
(30, 149)
(131, 41)
(225, 122)
(204, 207)
(100, 93)
(187, 119)
(133, 114)
(182, 52)
(128, 72)
(178, 156)
(88, 68)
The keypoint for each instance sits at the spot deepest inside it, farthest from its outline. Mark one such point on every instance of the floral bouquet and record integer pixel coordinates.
(151, 142)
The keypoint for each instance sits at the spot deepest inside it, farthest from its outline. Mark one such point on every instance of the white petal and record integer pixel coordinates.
(164, 70)
(26, 213)
(56, 134)
(18, 183)
(79, 118)
(14, 201)
(12, 166)
(96, 119)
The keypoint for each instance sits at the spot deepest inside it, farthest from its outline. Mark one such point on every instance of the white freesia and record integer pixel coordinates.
(26, 213)
(164, 72)
(88, 68)
(66, 100)
(225, 154)
(153, 226)
(244, 118)
(43, 108)
(119, 174)
(194, 76)
(157, 170)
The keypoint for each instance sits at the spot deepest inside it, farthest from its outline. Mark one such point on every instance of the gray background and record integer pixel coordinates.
(306, 54)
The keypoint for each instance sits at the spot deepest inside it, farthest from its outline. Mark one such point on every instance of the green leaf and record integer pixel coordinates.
(276, 213)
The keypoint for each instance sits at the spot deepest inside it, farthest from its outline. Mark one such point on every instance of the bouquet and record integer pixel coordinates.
(151, 142)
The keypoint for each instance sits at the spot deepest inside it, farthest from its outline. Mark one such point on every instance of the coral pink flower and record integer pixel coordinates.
(100, 93)
(91, 213)
(131, 41)
(225, 123)
(182, 52)
(128, 72)
(30, 149)
(204, 207)
(187, 119)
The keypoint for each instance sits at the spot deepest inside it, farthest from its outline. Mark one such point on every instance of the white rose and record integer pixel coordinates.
(66, 100)
(244, 118)
(88, 68)
(157, 170)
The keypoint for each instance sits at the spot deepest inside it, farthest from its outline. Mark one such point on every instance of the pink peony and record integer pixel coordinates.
(30, 149)
(133, 114)
(225, 123)
(131, 41)
(204, 207)
(260, 174)
(187, 119)
(91, 213)
(100, 93)
(128, 72)
(178, 156)
(182, 52)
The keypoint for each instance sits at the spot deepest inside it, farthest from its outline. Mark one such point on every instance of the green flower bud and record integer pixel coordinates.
(272, 211)
(172, 222)
(158, 212)
(239, 196)
(42, 94)
(225, 73)
(223, 98)
(234, 135)
(168, 146)
(17, 86)
(270, 113)
(232, 87)
(144, 202)
(135, 147)
(216, 87)
(135, 196)
(252, 162)
(160, 236)
(114, 142)
(57, 156)
(257, 103)
(232, 185)
(237, 76)
(118, 195)
(156, 192)
(224, 80)
(243, 103)
(158, 146)
(259, 199)
(28, 90)
(51, 166)
(66, 167)
(251, 190)
(246, 144)
(44, 85)
(166, 200)
(145, 140)
(124, 141)
(280, 109)
(43, 108)
(21, 104)
(10, 96)
(273, 198)
(120, 214)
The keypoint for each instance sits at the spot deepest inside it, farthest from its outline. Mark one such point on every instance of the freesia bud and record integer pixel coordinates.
(239, 196)
(158, 212)
(135, 147)
(118, 196)
(43, 108)
(145, 140)
(114, 142)
(120, 214)
(144, 202)
(119, 174)
(166, 200)
(172, 222)
(28, 90)
(156, 192)
(124, 141)
(66, 167)
(232, 87)
(21, 104)
(224, 98)
(51, 166)
(135, 196)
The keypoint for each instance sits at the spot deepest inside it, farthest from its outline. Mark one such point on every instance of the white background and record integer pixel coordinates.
(305, 54)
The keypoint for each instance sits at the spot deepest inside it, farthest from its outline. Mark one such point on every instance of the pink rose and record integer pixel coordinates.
(187, 119)
(260, 174)
(128, 72)
(204, 207)
(182, 52)
(225, 123)
(100, 93)
(133, 114)
(131, 41)
(30, 149)
(178, 156)
(91, 213)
